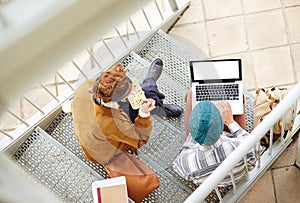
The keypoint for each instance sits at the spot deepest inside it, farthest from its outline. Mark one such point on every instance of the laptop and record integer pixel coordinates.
(218, 80)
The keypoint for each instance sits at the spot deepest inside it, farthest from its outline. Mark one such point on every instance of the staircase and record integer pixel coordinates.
(52, 155)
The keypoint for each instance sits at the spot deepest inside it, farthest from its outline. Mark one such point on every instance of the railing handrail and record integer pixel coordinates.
(227, 165)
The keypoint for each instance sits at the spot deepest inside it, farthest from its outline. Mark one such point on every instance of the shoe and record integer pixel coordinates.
(155, 69)
(172, 110)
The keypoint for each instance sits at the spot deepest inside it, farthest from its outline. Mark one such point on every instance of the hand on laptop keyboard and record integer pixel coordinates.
(226, 112)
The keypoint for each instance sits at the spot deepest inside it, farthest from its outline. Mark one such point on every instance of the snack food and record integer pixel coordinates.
(137, 95)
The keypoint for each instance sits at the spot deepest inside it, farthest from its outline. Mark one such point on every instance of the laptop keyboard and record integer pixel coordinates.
(217, 92)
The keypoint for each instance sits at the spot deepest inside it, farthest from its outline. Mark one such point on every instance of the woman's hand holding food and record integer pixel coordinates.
(147, 105)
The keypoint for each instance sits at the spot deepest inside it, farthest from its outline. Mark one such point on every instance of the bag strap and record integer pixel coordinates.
(135, 152)
(137, 165)
(263, 93)
(279, 90)
(263, 116)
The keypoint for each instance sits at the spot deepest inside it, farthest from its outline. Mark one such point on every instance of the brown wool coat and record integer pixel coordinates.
(102, 131)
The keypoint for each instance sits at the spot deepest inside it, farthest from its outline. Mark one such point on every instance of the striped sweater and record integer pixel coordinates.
(195, 162)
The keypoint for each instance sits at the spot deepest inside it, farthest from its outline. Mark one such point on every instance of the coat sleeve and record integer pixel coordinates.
(124, 134)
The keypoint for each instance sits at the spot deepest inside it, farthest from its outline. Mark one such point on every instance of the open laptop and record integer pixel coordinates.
(218, 80)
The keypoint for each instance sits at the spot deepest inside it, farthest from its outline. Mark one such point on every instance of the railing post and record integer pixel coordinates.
(173, 5)
(3, 20)
(298, 153)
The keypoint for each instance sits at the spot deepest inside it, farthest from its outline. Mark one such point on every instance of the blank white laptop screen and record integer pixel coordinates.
(210, 70)
(227, 72)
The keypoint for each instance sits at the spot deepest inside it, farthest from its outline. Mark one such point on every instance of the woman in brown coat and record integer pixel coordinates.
(102, 128)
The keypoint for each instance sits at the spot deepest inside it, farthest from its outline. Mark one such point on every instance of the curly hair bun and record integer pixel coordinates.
(112, 84)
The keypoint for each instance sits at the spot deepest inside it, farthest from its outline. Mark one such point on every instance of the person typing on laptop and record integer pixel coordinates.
(207, 145)
(217, 81)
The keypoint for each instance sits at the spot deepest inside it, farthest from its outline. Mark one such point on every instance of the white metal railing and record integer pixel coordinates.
(133, 30)
(228, 164)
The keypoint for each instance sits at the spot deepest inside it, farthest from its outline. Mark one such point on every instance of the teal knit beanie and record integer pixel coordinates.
(206, 124)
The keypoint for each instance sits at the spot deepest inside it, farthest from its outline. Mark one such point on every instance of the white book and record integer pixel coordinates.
(110, 190)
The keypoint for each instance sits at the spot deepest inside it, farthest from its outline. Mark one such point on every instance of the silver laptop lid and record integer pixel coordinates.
(216, 71)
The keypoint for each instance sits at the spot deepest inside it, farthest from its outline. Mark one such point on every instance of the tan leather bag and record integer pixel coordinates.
(265, 101)
(140, 179)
